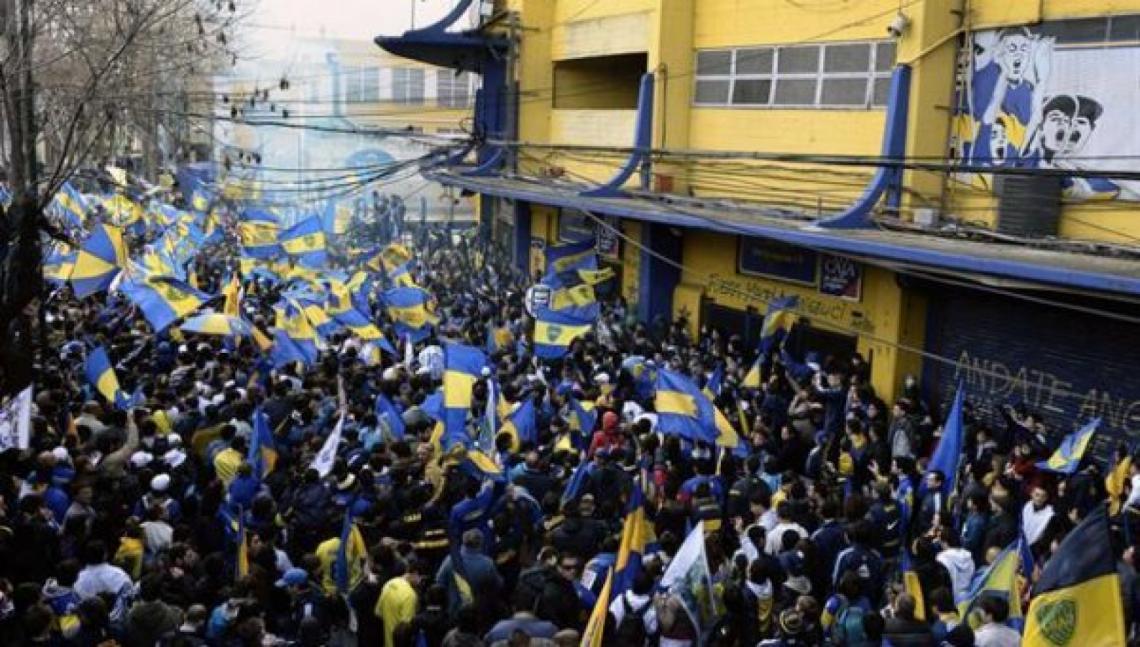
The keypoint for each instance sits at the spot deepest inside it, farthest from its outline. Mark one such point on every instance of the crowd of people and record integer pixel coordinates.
(151, 524)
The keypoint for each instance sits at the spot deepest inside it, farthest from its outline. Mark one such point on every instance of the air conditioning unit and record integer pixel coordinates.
(1028, 205)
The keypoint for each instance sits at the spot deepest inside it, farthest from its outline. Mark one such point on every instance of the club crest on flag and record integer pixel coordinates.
(1058, 621)
(553, 331)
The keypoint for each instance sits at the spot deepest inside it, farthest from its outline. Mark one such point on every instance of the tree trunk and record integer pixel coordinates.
(21, 274)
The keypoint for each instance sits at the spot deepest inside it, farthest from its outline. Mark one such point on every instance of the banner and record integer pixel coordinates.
(16, 421)
(1060, 95)
(689, 578)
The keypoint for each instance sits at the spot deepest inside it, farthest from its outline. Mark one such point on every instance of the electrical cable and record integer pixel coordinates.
(710, 279)
(888, 266)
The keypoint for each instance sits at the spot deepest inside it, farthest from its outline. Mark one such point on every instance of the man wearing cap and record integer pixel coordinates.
(304, 596)
(159, 496)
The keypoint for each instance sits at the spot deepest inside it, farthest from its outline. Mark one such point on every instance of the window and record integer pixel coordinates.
(408, 85)
(452, 91)
(832, 75)
(1093, 31)
(361, 84)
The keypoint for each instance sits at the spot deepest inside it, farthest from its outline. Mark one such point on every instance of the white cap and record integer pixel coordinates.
(486, 371)
(174, 457)
(141, 458)
(160, 483)
(389, 374)
(602, 378)
(174, 439)
(60, 454)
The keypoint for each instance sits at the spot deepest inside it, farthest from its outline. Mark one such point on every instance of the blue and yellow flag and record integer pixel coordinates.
(232, 293)
(583, 416)
(162, 299)
(463, 366)
(552, 338)
(390, 258)
(408, 309)
(999, 579)
(574, 304)
(913, 586)
(259, 231)
(752, 377)
(1077, 600)
(294, 340)
(351, 554)
(780, 318)
(1067, 458)
(636, 534)
(100, 259)
(715, 382)
(594, 635)
(682, 409)
(72, 205)
(101, 374)
(402, 275)
(520, 425)
(241, 561)
(306, 241)
(124, 212)
(262, 448)
(563, 262)
(58, 265)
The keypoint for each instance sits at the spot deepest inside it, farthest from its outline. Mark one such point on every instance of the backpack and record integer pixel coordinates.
(849, 626)
(531, 587)
(631, 629)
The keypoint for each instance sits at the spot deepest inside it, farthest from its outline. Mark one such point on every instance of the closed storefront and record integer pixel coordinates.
(1066, 365)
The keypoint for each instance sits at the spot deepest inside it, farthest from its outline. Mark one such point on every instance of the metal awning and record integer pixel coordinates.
(1009, 261)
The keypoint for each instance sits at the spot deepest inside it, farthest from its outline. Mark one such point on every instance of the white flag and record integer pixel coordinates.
(323, 463)
(688, 577)
(16, 421)
(409, 353)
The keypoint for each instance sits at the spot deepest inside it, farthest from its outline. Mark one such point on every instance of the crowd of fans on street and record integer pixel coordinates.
(119, 526)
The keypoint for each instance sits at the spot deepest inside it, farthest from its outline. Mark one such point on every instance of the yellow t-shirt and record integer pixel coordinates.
(226, 464)
(397, 605)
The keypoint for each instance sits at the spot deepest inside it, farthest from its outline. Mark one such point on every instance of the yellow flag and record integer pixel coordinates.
(592, 636)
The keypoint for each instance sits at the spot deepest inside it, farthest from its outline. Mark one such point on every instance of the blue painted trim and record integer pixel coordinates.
(656, 278)
(642, 140)
(836, 242)
(887, 179)
(440, 26)
(489, 166)
(522, 231)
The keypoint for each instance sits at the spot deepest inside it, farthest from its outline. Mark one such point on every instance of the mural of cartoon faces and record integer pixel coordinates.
(1014, 109)
(1013, 54)
(1067, 122)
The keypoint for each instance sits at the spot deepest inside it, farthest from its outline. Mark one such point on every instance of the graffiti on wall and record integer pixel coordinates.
(992, 383)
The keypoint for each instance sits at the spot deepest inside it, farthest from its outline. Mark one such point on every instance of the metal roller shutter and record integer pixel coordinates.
(1066, 365)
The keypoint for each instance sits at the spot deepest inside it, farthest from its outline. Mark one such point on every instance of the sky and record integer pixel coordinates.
(273, 20)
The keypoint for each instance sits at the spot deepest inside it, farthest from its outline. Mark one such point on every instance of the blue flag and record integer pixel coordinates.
(948, 454)
(388, 417)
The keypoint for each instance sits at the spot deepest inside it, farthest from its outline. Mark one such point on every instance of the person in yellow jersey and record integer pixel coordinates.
(399, 599)
(227, 461)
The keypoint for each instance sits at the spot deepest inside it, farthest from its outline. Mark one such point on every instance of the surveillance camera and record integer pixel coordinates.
(898, 26)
